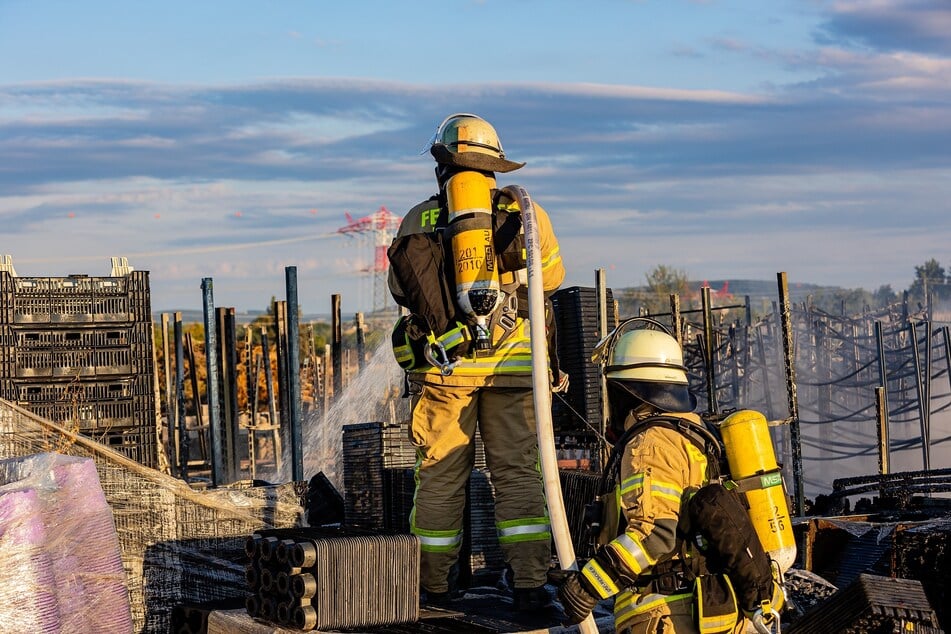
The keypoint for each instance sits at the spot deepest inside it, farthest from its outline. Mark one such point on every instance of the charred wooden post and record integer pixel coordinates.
(268, 380)
(676, 320)
(361, 341)
(881, 417)
(337, 344)
(280, 347)
(920, 390)
(177, 419)
(170, 400)
(789, 364)
(228, 372)
(196, 393)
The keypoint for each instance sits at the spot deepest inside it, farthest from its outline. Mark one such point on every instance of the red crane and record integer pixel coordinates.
(381, 226)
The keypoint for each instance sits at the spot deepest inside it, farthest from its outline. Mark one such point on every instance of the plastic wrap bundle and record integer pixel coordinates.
(62, 564)
(27, 589)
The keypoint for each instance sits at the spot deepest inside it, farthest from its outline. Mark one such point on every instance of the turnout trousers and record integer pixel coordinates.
(444, 422)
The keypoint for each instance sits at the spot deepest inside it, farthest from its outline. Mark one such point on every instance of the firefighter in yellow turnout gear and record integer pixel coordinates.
(663, 456)
(489, 387)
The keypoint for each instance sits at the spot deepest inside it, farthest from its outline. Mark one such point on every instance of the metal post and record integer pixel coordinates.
(926, 379)
(709, 348)
(881, 416)
(178, 418)
(293, 374)
(735, 359)
(600, 285)
(947, 350)
(919, 388)
(227, 367)
(337, 345)
(789, 364)
(211, 382)
(761, 357)
(823, 373)
(361, 342)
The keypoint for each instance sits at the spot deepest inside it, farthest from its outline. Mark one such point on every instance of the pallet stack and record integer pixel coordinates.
(576, 320)
(77, 351)
(374, 457)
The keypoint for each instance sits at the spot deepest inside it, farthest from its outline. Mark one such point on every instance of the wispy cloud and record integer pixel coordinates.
(816, 177)
(892, 25)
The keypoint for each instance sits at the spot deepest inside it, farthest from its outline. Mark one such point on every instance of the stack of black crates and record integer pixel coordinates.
(578, 412)
(379, 485)
(77, 351)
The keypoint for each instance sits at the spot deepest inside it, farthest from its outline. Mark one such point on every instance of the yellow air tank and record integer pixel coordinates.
(749, 452)
(470, 232)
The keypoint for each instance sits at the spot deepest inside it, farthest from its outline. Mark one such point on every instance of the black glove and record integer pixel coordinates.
(576, 597)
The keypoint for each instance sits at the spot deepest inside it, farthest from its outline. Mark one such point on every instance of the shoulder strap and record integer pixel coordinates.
(701, 437)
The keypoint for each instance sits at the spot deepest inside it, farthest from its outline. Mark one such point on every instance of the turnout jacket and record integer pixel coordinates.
(660, 469)
(509, 364)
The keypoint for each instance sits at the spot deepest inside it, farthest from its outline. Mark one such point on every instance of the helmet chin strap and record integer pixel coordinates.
(645, 410)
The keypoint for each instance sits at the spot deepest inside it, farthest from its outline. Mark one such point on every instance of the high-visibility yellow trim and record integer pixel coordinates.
(633, 483)
(632, 553)
(600, 580)
(524, 530)
(625, 608)
(437, 541)
(402, 353)
(667, 491)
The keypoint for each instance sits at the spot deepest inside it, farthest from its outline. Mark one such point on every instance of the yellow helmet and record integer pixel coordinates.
(649, 365)
(469, 141)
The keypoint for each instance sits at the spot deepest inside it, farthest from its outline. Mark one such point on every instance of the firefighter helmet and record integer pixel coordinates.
(649, 365)
(469, 141)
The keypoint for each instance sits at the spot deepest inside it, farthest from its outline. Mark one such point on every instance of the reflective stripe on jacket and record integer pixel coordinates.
(658, 466)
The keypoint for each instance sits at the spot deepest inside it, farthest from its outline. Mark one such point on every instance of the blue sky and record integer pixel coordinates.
(732, 140)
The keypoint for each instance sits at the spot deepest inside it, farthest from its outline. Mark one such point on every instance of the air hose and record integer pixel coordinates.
(542, 392)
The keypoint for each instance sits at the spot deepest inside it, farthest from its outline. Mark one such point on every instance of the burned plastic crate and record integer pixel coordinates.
(576, 318)
(872, 604)
(368, 449)
(75, 299)
(140, 445)
(87, 405)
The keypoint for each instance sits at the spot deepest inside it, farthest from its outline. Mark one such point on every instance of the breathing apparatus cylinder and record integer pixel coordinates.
(752, 461)
(470, 233)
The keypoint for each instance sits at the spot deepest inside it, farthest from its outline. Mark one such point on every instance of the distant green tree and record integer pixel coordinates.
(884, 296)
(929, 275)
(842, 301)
(662, 282)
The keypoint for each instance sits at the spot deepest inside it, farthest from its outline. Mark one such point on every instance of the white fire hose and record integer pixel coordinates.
(542, 393)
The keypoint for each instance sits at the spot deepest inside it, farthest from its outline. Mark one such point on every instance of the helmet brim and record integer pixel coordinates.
(472, 160)
(667, 397)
